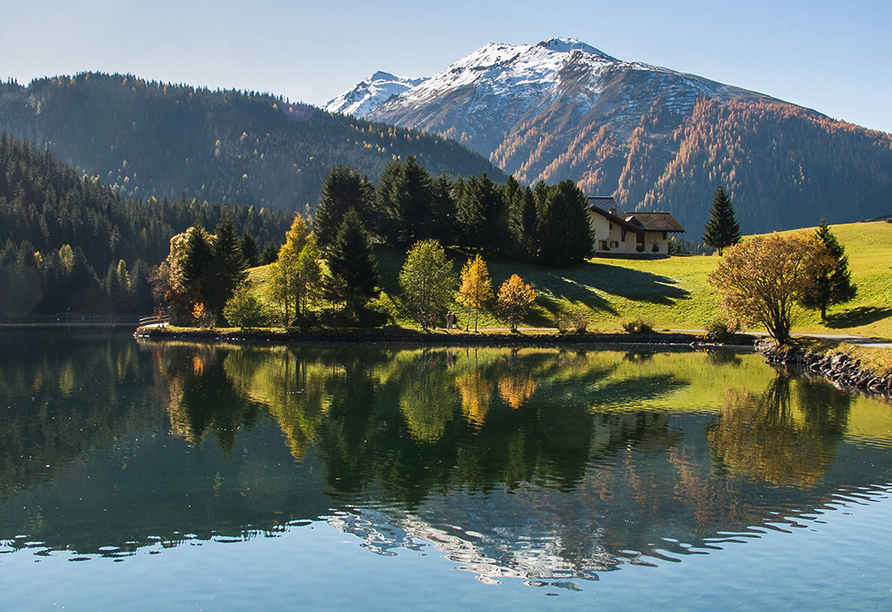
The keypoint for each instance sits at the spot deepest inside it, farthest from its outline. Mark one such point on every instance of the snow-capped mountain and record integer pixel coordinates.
(499, 89)
(371, 93)
(652, 137)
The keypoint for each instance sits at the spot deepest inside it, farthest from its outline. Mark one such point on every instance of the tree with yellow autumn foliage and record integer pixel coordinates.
(476, 288)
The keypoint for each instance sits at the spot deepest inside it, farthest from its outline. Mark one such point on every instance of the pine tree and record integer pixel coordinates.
(228, 264)
(354, 277)
(342, 190)
(443, 210)
(480, 213)
(564, 231)
(404, 201)
(722, 229)
(250, 249)
(197, 265)
(522, 220)
(834, 285)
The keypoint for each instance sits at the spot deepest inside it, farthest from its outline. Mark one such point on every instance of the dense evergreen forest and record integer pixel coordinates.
(72, 243)
(148, 139)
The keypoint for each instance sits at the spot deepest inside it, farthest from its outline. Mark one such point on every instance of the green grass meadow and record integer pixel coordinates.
(668, 293)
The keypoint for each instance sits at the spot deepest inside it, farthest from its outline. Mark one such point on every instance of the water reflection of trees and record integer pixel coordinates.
(413, 422)
(61, 396)
(200, 397)
(773, 438)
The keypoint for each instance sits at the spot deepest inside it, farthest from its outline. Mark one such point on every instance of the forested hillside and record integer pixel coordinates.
(148, 139)
(69, 243)
(784, 166)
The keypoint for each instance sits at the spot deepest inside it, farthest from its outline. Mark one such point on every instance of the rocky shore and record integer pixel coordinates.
(843, 370)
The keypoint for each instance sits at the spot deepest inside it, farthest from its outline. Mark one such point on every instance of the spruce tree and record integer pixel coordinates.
(228, 264)
(722, 229)
(405, 202)
(834, 285)
(343, 189)
(354, 277)
(250, 249)
(564, 230)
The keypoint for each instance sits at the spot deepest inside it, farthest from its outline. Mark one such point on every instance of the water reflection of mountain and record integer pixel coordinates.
(544, 464)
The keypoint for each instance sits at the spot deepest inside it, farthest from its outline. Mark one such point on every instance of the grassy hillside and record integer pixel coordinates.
(669, 293)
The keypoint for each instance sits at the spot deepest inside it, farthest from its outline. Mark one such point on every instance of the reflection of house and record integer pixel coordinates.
(621, 233)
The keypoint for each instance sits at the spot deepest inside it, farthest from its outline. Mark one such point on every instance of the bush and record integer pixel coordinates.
(720, 330)
(638, 326)
(204, 316)
(578, 322)
(243, 309)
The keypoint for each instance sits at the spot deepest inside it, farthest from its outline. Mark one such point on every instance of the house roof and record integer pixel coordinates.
(603, 205)
(656, 221)
(607, 207)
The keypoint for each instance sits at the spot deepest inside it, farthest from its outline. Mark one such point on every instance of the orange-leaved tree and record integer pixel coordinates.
(514, 301)
(763, 278)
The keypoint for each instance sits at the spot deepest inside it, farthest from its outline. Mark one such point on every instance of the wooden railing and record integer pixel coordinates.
(158, 320)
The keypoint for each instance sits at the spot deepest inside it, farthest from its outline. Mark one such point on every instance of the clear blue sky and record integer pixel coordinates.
(832, 56)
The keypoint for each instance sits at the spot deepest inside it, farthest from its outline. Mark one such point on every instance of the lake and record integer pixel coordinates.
(173, 475)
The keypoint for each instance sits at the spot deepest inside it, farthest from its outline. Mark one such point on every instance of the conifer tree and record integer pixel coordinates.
(522, 220)
(834, 284)
(197, 265)
(228, 269)
(564, 231)
(722, 229)
(404, 202)
(480, 214)
(342, 190)
(250, 250)
(354, 277)
(443, 209)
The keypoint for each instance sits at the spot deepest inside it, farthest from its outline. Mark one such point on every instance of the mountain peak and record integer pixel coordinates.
(565, 45)
(370, 93)
(381, 76)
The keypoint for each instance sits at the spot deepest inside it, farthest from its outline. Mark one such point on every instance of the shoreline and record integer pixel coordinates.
(439, 337)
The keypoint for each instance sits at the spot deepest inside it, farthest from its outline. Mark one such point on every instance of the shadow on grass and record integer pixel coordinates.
(591, 285)
(862, 315)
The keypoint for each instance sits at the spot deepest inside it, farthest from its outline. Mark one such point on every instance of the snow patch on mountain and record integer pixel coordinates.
(521, 71)
(371, 93)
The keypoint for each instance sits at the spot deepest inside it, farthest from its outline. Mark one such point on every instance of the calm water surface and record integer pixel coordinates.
(177, 475)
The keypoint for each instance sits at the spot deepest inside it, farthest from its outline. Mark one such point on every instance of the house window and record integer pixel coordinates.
(602, 245)
(614, 244)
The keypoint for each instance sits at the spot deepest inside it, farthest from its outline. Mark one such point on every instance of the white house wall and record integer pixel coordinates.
(612, 234)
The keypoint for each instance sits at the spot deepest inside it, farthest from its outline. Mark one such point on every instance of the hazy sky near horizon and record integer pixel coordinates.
(832, 56)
